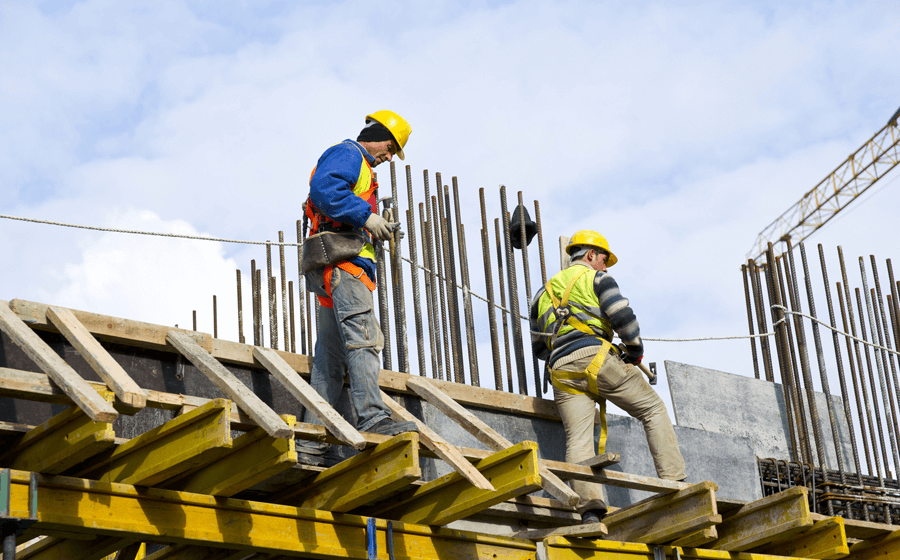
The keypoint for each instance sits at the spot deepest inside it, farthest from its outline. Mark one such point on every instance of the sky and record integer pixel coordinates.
(678, 130)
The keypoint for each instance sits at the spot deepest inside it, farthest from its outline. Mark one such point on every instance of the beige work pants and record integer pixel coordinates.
(625, 386)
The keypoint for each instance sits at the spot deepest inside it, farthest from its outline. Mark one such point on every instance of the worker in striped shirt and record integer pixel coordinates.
(572, 322)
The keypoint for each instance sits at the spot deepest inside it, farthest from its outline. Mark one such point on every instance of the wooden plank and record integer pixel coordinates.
(530, 508)
(586, 531)
(662, 519)
(61, 442)
(109, 370)
(364, 479)
(433, 441)
(826, 540)
(308, 397)
(861, 530)
(760, 522)
(50, 363)
(880, 548)
(53, 548)
(602, 461)
(698, 539)
(512, 471)
(487, 435)
(226, 381)
(253, 457)
(134, 551)
(179, 445)
(563, 548)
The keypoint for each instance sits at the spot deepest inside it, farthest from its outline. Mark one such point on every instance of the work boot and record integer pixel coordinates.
(317, 455)
(388, 427)
(593, 516)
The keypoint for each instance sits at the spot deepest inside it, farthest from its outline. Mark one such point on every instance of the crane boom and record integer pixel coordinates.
(862, 169)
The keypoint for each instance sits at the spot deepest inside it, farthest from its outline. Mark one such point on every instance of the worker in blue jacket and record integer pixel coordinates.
(342, 200)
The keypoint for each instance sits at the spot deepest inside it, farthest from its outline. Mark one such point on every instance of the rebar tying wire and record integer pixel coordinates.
(438, 274)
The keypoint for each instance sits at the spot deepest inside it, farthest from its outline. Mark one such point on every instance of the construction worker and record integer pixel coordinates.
(572, 322)
(342, 201)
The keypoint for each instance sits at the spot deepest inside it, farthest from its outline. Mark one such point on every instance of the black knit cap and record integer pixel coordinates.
(374, 131)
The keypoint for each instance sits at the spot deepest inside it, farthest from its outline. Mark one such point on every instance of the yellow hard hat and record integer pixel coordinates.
(590, 238)
(396, 124)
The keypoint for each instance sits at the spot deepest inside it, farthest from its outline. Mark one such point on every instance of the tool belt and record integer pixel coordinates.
(331, 247)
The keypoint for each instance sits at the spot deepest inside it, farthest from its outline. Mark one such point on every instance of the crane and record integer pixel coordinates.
(862, 169)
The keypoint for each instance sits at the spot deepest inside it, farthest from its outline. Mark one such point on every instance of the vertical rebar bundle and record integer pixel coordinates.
(240, 309)
(397, 279)
(414, 274)
(513, 297)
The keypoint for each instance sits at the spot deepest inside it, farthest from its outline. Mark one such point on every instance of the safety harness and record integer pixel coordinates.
(564, 315)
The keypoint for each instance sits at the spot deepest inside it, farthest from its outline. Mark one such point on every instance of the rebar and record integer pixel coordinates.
(240, 309)
(284, 298)
(744, 273)
(293, 329)
(397, 280)
(540, 236)
(761, 320)
(890, 410)
(538, 386)
(215, 318)
(859, 363)
(253, 306)
(301, 287)
(856, 389)
(195, 320)
(503, 311)
(513, 296)
(434, 321)
(450, 276)
(273, 304)
(804, 360)
(878, 364)
(384, 314)
(259, 308)
(474, 377)
(311, 308)
(865, 351)
(414, 273)
(887, 355)
(437, 268)
(489, 287)
(836, 341)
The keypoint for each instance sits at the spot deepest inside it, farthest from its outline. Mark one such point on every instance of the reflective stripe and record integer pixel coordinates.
(349, 268)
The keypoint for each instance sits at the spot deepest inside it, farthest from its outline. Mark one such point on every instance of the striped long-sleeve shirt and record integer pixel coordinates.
(613, 307)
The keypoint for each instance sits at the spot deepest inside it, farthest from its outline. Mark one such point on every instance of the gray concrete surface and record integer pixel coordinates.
(720, 402)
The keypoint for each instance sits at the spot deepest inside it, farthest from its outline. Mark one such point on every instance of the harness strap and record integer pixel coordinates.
(349, 268)
(562, 311)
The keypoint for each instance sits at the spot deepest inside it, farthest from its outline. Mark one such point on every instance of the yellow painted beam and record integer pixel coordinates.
(69, 549)
(880, 548)
(662, 519)
(61, 442)
(697, 539)
(774, 517)
(181, 444)
(364, 479)
(152, 514)
(561, 548)
(826, 540)
(512, 472)
(255, 456)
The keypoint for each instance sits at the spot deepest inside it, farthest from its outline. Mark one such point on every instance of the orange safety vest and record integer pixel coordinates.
(364, 188)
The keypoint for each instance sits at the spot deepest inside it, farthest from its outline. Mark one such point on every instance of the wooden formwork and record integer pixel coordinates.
(190, 484)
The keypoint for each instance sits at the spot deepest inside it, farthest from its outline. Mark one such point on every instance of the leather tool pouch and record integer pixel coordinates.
(330, 247)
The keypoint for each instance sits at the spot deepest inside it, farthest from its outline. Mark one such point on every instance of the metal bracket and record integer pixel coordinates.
(12, 527)
(371, 542)
(390, 540)
(659, 553)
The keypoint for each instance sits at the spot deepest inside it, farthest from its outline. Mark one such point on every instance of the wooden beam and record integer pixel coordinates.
(861, 530)
(166, 516)
(134, 551)
(698, 539)
(53, 548)
(774, 517)
(487, 435)
(512, 471)
(253, 457)
(50, 363)
(61, 442)
(586, 531)
(181, 444)
(230, 385)
(878, 548)
(308, 397)
(364, 479)
(530, 508)
(563, 548)
(661, 519)
(825, 540)
(109, 370)
(433, 441)
(599, 462)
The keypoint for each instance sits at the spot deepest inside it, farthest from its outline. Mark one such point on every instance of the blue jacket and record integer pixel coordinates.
(331, 190)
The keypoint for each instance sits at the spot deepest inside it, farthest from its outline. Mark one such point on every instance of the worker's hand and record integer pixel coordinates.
(633, 354)
(395, 226)
(378, 227)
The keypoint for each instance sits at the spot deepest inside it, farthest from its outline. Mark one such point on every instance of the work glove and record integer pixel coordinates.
(378, 227)
(631, 354)
(396, 227)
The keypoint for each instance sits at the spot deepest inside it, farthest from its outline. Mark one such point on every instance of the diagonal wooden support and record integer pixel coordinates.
(487, 435)
(109, 370)
(53, 548)
(253, 457)
(826, 540)
(662, 519)
(59, 371)
(364, 479)
(134, 551)
(61, 442)
(512, 471)
(877, 548)
(181, 444)
(774, 517)
(586, 531)
(433, 441)
(230, 385)
(308, 397)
